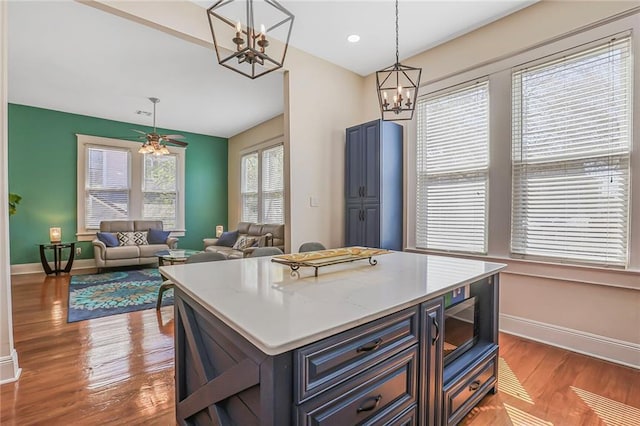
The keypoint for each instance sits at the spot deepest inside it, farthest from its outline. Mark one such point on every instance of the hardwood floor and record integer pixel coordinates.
(118, 370)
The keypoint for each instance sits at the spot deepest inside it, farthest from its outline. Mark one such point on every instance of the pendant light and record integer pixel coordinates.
(398, 87)
(250, 37)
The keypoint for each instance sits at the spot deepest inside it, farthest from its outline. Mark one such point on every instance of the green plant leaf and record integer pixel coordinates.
(14, 200)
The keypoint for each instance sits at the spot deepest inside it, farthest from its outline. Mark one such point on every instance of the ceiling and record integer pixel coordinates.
(69, 57)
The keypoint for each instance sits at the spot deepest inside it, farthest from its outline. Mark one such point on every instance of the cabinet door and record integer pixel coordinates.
(432, 336)
(371, 165)
(371, 225)
(354, 165)
(354, 225)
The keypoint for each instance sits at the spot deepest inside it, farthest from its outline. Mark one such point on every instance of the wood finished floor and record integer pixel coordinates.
(119, 371)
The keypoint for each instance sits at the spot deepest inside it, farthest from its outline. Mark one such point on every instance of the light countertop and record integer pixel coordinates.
(278, 312)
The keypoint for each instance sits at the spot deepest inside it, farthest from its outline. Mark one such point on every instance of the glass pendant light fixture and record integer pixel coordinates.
(398, 87)
(250, 37)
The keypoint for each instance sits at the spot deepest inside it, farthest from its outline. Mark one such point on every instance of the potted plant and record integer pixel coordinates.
(14, 200)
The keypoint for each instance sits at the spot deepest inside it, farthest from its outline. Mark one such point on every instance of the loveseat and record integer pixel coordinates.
(133, 247)
(242, 241)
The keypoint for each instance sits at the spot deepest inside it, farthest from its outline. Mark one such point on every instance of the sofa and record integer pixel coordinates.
(262, 234)
(134, 252)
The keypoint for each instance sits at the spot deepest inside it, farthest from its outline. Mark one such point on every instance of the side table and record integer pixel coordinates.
(57, 257)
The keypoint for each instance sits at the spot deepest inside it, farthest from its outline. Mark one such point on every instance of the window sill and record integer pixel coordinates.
(622, 278)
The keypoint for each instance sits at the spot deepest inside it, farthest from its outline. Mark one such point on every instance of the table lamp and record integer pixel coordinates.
(219, 230)
(55, 235)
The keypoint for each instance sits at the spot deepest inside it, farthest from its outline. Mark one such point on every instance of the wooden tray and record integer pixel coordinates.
(317, 259)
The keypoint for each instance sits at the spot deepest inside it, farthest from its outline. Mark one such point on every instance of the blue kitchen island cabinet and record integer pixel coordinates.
(359, 344)
(373, 185)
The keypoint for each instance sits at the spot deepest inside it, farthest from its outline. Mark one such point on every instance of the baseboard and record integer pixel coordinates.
(9, 370)
(606, 348)
(35, 268)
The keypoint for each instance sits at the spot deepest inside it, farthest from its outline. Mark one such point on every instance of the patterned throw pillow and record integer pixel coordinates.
(244, 242)
(132, 238)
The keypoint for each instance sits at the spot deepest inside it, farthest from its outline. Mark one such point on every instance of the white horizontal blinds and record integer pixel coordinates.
(571, 149)
(159, 189)
(453, 170)
(249, 187)
(273, 185)
(106, 185)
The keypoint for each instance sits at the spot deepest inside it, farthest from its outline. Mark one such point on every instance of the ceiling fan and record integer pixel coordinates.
(155, 143)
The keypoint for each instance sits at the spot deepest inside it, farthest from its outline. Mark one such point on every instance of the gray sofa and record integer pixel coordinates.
(107, 257)
(268, 235)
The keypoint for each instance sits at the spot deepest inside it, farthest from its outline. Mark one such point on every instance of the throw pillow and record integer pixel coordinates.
(157, 236)
(227, 239)
(132, 238)
(244, 242)
(108, 239)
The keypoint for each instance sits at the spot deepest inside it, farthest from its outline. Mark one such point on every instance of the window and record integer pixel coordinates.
(571, 156)
(160, 190)
(452, 170)
(116, 182)
(262, 185)
(107, 185)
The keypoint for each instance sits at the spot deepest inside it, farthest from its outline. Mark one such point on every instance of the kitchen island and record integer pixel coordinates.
(359, 344)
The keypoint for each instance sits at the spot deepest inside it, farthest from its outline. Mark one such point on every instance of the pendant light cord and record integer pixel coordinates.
(397, 54)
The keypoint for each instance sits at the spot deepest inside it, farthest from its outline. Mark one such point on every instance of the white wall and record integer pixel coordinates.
(323, 100)
(9, 370)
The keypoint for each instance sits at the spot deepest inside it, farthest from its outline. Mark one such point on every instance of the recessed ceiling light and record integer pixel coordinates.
(353, 38)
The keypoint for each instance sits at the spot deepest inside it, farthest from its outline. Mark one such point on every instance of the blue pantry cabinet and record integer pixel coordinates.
(373, 185)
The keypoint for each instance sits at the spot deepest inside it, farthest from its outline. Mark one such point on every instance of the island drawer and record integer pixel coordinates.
(470, 388)
(331, 361)
(378, 396)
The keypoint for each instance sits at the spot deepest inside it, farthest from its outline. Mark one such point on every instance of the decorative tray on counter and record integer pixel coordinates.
(317, 259)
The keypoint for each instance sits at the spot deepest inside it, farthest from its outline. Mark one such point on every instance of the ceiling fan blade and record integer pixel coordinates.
(174, 142)
(172, 137)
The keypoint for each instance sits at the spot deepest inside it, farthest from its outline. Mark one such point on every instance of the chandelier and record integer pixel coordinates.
(248, 36)
(398, 88)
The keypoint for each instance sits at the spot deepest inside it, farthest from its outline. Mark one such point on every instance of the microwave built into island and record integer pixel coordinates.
(361, 343)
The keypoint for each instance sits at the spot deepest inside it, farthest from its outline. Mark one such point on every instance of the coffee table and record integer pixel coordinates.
(173, 257)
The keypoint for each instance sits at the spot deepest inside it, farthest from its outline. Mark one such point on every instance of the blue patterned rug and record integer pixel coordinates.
(111, 293)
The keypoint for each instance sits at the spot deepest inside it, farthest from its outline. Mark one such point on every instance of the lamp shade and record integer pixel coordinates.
(250, 37)
(55, 234)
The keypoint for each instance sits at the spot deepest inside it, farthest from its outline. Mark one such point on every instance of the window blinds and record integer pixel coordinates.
(249, 187)
(159, 189)
(452, 170)
(273, 184)
(571, 156)
(106, 185)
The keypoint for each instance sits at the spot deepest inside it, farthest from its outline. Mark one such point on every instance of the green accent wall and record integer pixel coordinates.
(43, 167)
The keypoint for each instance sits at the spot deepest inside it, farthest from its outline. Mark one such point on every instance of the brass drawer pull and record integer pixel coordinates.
(370, 346)
(474, 385)
(370, 404)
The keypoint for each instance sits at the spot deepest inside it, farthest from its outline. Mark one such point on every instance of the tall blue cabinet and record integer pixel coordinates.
(373, 185)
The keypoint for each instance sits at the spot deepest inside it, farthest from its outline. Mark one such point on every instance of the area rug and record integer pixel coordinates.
(111, 293)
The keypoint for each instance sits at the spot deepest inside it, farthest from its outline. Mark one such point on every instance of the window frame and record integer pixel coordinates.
(259, 149)
(136, 169)
(499, 72)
